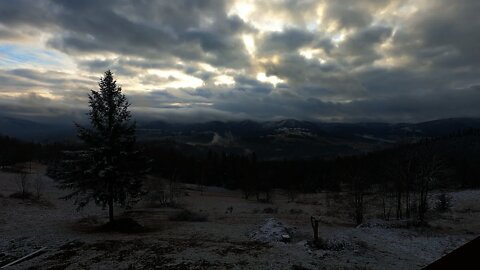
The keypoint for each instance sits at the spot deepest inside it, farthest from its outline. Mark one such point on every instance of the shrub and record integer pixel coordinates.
(158, 199)
(329, 245)
(88, 220)
(187, 215)
(39, 186)
(22, 195)
(296, 211)
(123, 225)
(270, 210)
(444, 202)
(298, 267)
(23, 183)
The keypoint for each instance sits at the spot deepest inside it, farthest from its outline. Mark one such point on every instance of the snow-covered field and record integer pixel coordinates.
(247, 237)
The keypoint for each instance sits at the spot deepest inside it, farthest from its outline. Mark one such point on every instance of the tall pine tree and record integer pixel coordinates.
(109, 170)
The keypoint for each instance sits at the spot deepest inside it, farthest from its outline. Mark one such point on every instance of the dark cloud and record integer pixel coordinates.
(360, 49)
(348, 14)
(288, 40)
(194, 30)
(352, 60)
(7, 34)
(24, 12)
(443, 35)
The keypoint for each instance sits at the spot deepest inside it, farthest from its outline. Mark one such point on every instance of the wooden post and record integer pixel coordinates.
(314, 222)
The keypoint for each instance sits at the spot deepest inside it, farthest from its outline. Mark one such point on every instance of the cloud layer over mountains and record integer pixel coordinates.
(186, 60)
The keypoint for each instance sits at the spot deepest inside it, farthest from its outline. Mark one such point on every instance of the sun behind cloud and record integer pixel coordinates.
(397, 60)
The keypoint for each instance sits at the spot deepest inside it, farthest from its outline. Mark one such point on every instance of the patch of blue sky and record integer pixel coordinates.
(22, 56)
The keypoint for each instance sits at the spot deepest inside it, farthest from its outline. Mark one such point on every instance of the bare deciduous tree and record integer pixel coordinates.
(431, 170)
(23, 181)
(38, 186)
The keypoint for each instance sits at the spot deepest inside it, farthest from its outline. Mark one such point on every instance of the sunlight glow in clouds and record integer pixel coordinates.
(269, 79)
(242, 8)
(310, 53)
(249, 43)
(392, 60)
(262, 19)
(224, 80)
(175, 79)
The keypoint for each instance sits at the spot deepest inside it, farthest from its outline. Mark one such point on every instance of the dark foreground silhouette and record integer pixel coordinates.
(464, 257)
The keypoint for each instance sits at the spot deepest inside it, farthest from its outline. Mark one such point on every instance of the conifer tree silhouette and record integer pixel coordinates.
(109, 170)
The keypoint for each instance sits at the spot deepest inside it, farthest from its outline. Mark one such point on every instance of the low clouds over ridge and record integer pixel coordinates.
(396, 60)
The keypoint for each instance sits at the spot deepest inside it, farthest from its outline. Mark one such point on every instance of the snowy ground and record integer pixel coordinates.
(246, 238)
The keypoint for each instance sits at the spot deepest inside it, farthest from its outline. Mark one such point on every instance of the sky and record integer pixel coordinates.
(195, 61)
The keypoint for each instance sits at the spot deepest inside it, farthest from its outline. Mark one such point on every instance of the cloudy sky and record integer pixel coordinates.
(186, 60)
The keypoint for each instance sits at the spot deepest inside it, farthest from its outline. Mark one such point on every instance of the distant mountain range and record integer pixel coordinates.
(273, 139)
(301, 139)
(33, 131)
(371, 131)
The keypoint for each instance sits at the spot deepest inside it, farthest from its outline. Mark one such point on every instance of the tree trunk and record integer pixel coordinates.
(359, 208)
(423, 200)
(407, 204)
(399, 205)
(384, 208)
(314, 223)
(110, 208)
(110, 201)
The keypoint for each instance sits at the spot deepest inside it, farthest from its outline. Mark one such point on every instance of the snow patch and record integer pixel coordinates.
(271, 231)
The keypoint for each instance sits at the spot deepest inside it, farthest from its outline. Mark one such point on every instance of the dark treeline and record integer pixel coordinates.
(14, 151)
(402, 176)
(458, 154)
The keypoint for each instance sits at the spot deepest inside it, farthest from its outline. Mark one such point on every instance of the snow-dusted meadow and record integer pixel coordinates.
(238, 233)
